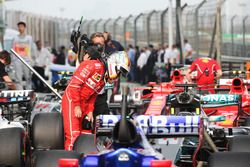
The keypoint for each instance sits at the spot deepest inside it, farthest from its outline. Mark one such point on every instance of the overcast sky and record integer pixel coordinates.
(90, 9)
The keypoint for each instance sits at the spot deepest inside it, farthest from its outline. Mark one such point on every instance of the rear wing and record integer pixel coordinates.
(154, 126)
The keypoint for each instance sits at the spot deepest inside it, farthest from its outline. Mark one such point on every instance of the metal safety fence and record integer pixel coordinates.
(146, 28)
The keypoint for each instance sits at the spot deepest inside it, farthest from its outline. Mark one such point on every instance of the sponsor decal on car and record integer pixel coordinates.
(220, 98)
(16, 93)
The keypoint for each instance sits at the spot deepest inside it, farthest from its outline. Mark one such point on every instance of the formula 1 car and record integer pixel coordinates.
(234, 105)
(152, 99)
(194, 135)
(15, 111)
(129, 147)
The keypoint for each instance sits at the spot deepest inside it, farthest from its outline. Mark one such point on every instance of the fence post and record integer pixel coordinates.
(88, 26)
(232, 34)
(82, 26)
(105, 24)
(163, 14)
(148, 26)
(96, 24)
(114, 26)
(135, 27)
(197, 45)
(170, 25)
(179, 33)
(212, 40)
(125, 29)
(244, 34)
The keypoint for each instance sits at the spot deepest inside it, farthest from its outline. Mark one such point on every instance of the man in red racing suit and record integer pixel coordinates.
(207, 71)
(79, 98)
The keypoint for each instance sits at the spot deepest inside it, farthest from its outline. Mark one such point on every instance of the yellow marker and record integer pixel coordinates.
(172, 111)
(197, 111)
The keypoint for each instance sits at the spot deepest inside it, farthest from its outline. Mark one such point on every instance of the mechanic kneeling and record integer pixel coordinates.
(80, 95)
(5, 59)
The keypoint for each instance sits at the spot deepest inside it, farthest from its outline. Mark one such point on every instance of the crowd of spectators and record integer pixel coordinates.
(148, 64)
(153, 64)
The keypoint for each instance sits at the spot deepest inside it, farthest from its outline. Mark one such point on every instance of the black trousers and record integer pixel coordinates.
(38, 85)
(101, 105)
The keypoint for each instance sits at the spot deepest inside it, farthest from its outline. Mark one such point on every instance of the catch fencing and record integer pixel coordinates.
(146, 28)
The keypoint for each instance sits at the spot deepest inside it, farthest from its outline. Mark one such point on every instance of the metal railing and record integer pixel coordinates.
(147, 28)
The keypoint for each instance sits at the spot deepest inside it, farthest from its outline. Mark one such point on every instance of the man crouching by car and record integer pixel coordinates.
(80, 95)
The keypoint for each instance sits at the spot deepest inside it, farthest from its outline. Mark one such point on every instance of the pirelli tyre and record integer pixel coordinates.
(81, 147)
(47, 131)
(12, 151)
(50, 158)
(229, 159)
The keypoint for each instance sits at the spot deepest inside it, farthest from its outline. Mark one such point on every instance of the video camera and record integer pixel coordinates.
(82, 44)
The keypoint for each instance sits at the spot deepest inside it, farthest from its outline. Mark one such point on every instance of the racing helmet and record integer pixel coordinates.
(118, 63)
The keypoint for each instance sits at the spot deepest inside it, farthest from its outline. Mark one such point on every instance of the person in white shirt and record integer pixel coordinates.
(25, 47)
(188, 52)
(147, 51)
(42, 59)
(167, 55)
(141, 64)
(175, 56)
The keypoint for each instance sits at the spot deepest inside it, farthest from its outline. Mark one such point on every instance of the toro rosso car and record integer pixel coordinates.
(129, 143)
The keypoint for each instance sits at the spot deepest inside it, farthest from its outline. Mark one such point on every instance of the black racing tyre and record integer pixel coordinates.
(50, 158)
(240, 144)
(229, 159)
(12, 147)
(85, 143)
(47, 131)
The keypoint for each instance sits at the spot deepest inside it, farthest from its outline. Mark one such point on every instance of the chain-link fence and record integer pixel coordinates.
(198, 23)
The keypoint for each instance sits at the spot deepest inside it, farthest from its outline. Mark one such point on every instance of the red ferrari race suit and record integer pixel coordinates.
(82, 91)
(206, 68)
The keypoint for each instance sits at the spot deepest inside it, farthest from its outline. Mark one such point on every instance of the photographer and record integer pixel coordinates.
(5, 59)
(80, 95)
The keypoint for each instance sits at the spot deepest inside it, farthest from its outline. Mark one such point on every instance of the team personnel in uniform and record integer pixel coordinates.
(5, 59)
(80, 95)
(207, 71)
(25, 47)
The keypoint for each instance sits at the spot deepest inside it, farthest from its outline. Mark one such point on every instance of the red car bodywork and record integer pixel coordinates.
(159, 93)
(235, 86)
